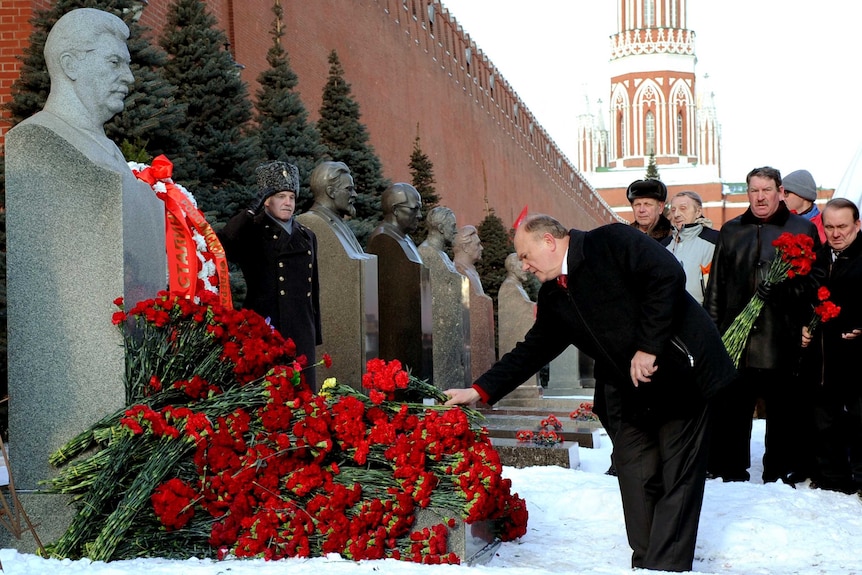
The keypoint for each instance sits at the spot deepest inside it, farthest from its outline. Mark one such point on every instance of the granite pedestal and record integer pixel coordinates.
(348, 298)
(404, 293)
(450, 305)
(79, 235)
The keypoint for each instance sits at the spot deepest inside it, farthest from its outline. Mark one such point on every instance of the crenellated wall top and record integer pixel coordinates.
(431, 26)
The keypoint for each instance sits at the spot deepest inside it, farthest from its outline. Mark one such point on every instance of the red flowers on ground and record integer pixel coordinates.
(226, 446)
(584, 412)
(173, 503)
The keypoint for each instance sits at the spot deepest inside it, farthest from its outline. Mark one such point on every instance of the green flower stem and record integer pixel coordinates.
(166, 455)
(736, 336)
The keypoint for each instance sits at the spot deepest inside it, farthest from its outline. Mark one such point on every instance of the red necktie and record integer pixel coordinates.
(563, 281)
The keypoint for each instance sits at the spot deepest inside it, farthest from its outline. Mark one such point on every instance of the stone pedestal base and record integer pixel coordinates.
(473, 543)
(521, 454)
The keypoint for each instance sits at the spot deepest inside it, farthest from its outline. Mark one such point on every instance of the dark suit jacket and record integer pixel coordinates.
(829, 359)
(625, 293)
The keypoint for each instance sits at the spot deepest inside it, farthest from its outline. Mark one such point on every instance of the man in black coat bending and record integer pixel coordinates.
(619, 296)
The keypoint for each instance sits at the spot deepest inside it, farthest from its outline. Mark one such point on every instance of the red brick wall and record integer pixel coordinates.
(14, 32)
(403, 76)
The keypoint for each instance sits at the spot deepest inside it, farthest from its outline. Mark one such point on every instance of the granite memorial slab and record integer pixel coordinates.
(403, 284)
(81, 231)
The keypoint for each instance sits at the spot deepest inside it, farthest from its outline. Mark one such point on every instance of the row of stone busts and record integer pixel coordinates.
(400, 301)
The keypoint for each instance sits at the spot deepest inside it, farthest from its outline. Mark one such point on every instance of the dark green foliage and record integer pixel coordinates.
(347, 141)
(496, 246)
(422, 178)
(151, 113)
(223, 160)
(283, 129)
(652, 169)
(135, 151)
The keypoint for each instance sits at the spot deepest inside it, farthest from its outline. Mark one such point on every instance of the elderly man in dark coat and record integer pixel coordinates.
(831, 359)
(278, 258)
(742, 258)
(619, 296)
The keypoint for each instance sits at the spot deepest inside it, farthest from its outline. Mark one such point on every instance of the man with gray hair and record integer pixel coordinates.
(692, 241)
(658, 350)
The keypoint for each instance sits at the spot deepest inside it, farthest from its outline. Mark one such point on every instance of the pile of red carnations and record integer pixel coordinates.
(548, 433)
(224, 450)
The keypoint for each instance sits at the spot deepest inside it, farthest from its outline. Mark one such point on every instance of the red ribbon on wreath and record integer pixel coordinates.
(181, 216)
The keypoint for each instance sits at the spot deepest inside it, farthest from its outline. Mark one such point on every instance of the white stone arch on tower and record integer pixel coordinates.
(682, 103)
(619, 111)
(648, 97)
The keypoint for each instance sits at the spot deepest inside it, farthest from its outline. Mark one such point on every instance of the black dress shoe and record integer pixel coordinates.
(786, 480)
(795, 477)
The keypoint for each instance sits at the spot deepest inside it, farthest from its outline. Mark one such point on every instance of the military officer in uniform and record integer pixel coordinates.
(278, 258)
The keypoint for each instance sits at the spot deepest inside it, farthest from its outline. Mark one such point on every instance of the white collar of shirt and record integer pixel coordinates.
(565, 269)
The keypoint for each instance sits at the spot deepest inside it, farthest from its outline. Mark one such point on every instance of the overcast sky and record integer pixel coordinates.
(785, 73)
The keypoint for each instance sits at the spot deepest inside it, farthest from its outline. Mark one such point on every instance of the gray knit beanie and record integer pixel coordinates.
(801, 183)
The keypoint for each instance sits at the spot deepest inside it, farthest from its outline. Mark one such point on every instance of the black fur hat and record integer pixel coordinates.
(274, 177)
(648, 188)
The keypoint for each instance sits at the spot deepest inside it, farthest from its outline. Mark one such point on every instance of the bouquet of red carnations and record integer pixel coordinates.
(794, 255)
(824, 310)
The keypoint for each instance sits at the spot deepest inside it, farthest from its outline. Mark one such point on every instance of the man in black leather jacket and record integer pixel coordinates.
(742, 259)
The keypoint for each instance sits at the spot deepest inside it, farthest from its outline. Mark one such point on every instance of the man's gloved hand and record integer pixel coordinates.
(256, 205)
(764, 291)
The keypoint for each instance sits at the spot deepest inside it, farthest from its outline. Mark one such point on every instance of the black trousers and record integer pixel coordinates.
(733, 413)
(661, 468)
(838, 419)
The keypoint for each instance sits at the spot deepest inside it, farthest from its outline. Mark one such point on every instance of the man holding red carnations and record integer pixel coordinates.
(831, 357)
(741, 264)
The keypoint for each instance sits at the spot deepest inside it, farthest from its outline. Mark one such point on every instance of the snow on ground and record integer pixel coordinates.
(576, 528)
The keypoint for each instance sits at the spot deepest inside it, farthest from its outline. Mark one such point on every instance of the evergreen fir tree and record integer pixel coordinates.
(347, 141)
(150, 113)
(283, 129)
(422, 174)
(496, 246)
(652, 169)
(221, 171)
